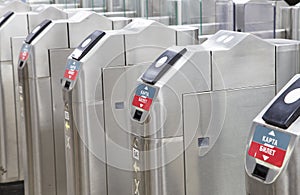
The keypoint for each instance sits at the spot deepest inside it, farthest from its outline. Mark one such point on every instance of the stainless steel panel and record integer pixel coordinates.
(217, 167)
(287, 61)
(91, 175)
(161, 19)
(129, 14)
(191, 73)
(36, 107)
(16, 25)
(286, 22)
(86, 23)
(295, 23)
(84, 91)
(186, 35)
(142, 46)
(255, 16)
(279, 34)
(86, 171)
(11, 142)
(53, 13)
(291, 22)
(118, 84)
(89, 90)
(280, 5)
(16, 43)
(156, 171)
(17, 6)
(40, 67)
(195, 12)
(57, 57)
(231, 64)
(11, 159)
(224, 15)
(40, 140)
(120, 22)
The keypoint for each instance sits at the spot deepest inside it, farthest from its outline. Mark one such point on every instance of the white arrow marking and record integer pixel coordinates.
(272, 133)
(146, 88)
(141, 105)
(265, 157)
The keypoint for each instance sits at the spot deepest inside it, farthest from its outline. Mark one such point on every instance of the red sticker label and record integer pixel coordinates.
(23, 55)
(142, 102)
(71, 74)
(267, 153)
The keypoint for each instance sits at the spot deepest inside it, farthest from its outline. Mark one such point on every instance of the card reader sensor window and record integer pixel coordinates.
(138, 115)
(260, 171)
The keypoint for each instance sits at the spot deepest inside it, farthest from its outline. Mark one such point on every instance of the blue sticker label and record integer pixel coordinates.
(73, 65)
(271, 137)
(145, 91)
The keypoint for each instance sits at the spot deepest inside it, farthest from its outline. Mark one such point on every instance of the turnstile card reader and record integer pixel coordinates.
(272, 162)
(145, 94)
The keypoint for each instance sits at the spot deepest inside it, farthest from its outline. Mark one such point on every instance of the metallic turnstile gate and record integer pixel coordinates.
(83, 88)
(184, 146)
(14, 24)
(39, 104)
(272, 159)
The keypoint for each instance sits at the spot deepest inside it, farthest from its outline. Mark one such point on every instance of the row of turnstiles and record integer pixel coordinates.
(101, 105)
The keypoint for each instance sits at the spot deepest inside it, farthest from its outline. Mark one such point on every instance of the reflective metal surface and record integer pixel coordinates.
(136, 44)
(209, 119)
(43, 113)
(11, 159)
(16, 6)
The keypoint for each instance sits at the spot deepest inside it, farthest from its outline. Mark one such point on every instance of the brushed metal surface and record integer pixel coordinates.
(229, 65)
(51, 179)
(57, 59)
(36, 86)
(17, 6)
(11, 158)
(13, 145)
(287, 60)
(16, 25)
(224, 117)
(51, 12)
(90, 91)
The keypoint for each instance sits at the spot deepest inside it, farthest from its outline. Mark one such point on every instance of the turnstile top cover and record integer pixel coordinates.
(37, 30)
(5, 17)
(161, 65)
(87, 44)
